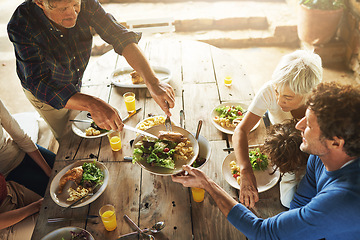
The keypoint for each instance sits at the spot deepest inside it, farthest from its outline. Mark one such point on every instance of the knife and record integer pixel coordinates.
(139, 131)
(53, 220)
(131, 114)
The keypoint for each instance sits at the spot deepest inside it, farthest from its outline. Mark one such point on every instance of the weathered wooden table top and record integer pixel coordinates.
(198, 70)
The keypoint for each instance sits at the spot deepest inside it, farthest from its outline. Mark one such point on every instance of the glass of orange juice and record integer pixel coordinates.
(108, 217)
(129, 99)
(228, 81)
(115, 140)
(198, 194)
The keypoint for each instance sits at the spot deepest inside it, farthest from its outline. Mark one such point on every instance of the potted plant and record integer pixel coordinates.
(318, 20)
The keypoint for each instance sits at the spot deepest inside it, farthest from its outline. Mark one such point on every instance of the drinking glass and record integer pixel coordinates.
(198, 194)
(108, 217)
(228, 81)
(115, 140)
(129, 99)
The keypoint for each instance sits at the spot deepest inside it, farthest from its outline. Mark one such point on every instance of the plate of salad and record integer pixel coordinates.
(226, 116)
(265, 176)
(94, 179)
(163, 157)
(69, 233)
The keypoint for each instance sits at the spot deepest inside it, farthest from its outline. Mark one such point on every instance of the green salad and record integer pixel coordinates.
(92, 175)
(156, 152)
(258, 160)
(230, 112)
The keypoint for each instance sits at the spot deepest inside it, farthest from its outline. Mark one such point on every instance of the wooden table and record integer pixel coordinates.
(198, 70)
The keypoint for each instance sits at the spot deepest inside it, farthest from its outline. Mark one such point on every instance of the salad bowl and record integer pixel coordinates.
(178, 163)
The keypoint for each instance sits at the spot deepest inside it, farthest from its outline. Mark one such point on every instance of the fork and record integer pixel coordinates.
(168, 121)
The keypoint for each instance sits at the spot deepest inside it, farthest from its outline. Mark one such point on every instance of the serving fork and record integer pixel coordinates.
(168, 121)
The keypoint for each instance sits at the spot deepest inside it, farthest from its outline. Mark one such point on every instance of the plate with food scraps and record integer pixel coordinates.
(226, 116)
(265, 179)
(128, 78)
(64, 192)
(152, 121)
(166, 155)
(68, 233)
(87, 129)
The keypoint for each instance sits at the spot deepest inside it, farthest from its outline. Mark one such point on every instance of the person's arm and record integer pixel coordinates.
(39, 159)
(103, 114)
(248, 194)
(161, 92)
(197, 178)
(12, 217)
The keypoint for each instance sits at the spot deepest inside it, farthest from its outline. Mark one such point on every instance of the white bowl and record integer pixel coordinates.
(65, 233)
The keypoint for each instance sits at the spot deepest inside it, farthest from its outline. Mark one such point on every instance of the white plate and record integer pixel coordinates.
(264, 180)
(121, 77)
(153, 118)
(80, 127)
(226, 129)
(55, 184)
(65, 233)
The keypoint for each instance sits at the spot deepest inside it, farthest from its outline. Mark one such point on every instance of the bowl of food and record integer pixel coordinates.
(166, 155)
(68, 233)
(87, 178)
(204, 152)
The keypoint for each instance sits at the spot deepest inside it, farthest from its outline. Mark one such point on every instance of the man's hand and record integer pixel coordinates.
(105, 116)
(194, 178)
(248, 191)
(162, 93)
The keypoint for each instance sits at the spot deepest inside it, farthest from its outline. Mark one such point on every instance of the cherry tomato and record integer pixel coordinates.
(235, 175)
(240, 113)
(229, 110)
(166, 149)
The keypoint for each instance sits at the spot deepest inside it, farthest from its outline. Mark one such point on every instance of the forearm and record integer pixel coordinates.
(82, 102)
(39, 159)
(241, 146)
(10, 218)
(223, 200)
(137, 60)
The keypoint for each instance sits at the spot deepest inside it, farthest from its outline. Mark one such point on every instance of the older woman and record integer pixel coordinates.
(282, 98)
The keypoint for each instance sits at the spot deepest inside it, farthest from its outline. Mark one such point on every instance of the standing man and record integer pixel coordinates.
(52, 41)
(326, 204)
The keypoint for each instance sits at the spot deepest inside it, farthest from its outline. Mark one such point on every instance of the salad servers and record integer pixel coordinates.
(198, 129)
(149, 236)
(168, 121)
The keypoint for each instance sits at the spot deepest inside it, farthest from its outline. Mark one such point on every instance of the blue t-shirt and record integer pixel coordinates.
(326, 205)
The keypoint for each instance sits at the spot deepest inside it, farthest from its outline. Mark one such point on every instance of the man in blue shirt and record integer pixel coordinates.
(326, 204)
(52, 41)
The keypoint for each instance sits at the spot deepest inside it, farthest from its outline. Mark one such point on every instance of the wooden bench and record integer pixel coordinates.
(152, 25)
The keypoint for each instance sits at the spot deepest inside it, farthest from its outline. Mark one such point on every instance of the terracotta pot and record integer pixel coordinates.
(317, 26)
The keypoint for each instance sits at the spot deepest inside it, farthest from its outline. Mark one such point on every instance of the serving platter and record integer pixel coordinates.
(121, 77)
(179, 163)
(60, 199)
(228, 130)
(264, 179)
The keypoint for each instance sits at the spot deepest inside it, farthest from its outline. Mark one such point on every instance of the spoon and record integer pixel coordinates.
(157, 227)
(198, 129)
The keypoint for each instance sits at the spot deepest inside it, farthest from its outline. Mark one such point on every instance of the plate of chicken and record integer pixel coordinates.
(86, 179)
(167, 154)
(128, 78)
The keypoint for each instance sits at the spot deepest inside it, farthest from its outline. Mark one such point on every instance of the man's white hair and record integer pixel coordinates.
(301, 71)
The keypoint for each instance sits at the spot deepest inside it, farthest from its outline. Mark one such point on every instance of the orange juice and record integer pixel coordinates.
(109, 220)
(115, 143)
(227, 81)
(198, 194)
(129, 99)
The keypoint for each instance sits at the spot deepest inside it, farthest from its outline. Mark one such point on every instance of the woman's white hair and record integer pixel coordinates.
(301, 71)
